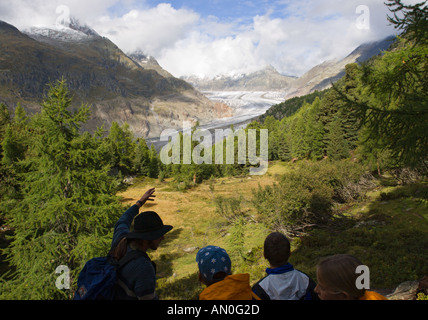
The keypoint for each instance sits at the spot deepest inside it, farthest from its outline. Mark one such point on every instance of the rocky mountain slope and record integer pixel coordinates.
(149, 63)
(98, 73)
(321, 76)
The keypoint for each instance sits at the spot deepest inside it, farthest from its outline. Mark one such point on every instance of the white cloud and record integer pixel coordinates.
(293, 36)
(321, 30)
(27, 13)
(152, 30)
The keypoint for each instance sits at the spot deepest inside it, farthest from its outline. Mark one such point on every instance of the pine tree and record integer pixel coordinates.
(337, 147)
(153, 163)
(284, 143)
(299, 143)
(4, 118)
(314, 133)
(119, 149)
(141, 163)
(67, 205)
(15, 137)
(272, 125)
(374, 153)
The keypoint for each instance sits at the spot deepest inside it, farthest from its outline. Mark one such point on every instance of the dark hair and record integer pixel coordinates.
(277, 249)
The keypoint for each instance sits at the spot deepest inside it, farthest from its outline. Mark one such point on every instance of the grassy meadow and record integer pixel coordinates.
(387, 229)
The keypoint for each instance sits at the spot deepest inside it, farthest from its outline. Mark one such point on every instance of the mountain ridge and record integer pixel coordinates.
(317, 78)
(321, 76)
(100, 74)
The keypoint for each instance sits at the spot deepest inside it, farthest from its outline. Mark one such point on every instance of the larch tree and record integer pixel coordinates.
(66, 209)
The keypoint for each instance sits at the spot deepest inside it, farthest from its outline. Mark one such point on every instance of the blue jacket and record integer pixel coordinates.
(138, 277)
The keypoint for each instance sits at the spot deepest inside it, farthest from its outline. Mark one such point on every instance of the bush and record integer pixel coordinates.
(304, 197)
(229, 208)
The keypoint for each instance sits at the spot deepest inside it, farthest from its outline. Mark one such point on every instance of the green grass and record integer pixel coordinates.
(387, 231)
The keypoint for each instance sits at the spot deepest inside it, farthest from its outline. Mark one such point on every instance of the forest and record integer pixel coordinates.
(60, 186)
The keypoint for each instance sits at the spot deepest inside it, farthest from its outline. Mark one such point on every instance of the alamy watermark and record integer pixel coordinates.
(181, 152)
(63, 281)
(363, 281)
(363, 20)
(64, 16)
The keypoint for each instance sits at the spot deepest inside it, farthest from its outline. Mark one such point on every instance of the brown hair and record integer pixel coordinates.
(338, 272)
(277, 249)
(119, 251)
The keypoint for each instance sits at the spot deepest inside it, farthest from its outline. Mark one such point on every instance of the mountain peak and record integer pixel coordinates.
(84, 28)
(70, 31)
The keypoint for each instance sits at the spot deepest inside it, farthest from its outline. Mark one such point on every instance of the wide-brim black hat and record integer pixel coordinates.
(148, 226)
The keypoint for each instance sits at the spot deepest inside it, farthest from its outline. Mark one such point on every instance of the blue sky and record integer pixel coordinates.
(212, 37)
(223, 9)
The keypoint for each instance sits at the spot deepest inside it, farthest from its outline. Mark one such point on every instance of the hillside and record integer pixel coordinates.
(321, 76)
(99, 74)
(389, 213)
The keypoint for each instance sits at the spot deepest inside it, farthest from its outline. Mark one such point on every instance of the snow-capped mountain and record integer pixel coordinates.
(99, 74)
(269, 79)
(71, 32)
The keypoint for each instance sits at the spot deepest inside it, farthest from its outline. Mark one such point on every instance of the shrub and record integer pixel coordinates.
(229, 208)
(304, 197)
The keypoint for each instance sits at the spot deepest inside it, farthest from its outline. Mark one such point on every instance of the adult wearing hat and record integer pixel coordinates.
(134, 234)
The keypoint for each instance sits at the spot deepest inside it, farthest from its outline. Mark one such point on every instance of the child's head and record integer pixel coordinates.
(277, 249)
(336, 277)
(214, 264)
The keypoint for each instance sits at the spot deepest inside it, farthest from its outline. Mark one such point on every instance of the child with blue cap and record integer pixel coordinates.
(215, 271)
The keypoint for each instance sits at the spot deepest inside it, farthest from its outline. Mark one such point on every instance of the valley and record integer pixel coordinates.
(245, 106)
(133, 88)
(81, 130)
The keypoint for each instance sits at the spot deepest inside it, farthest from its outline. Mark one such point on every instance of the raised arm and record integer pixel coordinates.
(146, 197)
(123, 225)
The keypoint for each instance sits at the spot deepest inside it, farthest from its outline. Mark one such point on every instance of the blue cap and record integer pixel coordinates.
(211, 260)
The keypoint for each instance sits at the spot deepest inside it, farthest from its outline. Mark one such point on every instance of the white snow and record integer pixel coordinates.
(58, 32)
(247, 104)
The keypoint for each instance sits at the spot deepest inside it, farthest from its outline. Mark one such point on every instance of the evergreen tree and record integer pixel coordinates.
(314, 132)
(374, 154)
(392, 97)
(412, 20)
(283, 146)
(299, 143)
(337, 147)
(272, 125)
(154, 162)
(67, 206)
(119, 149)
(8, 183)
(141, 164)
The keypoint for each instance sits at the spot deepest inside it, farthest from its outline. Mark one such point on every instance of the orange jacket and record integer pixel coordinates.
(371, 295)
(234, 287)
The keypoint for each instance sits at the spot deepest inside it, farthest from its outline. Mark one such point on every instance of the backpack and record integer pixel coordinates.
(98, 279)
